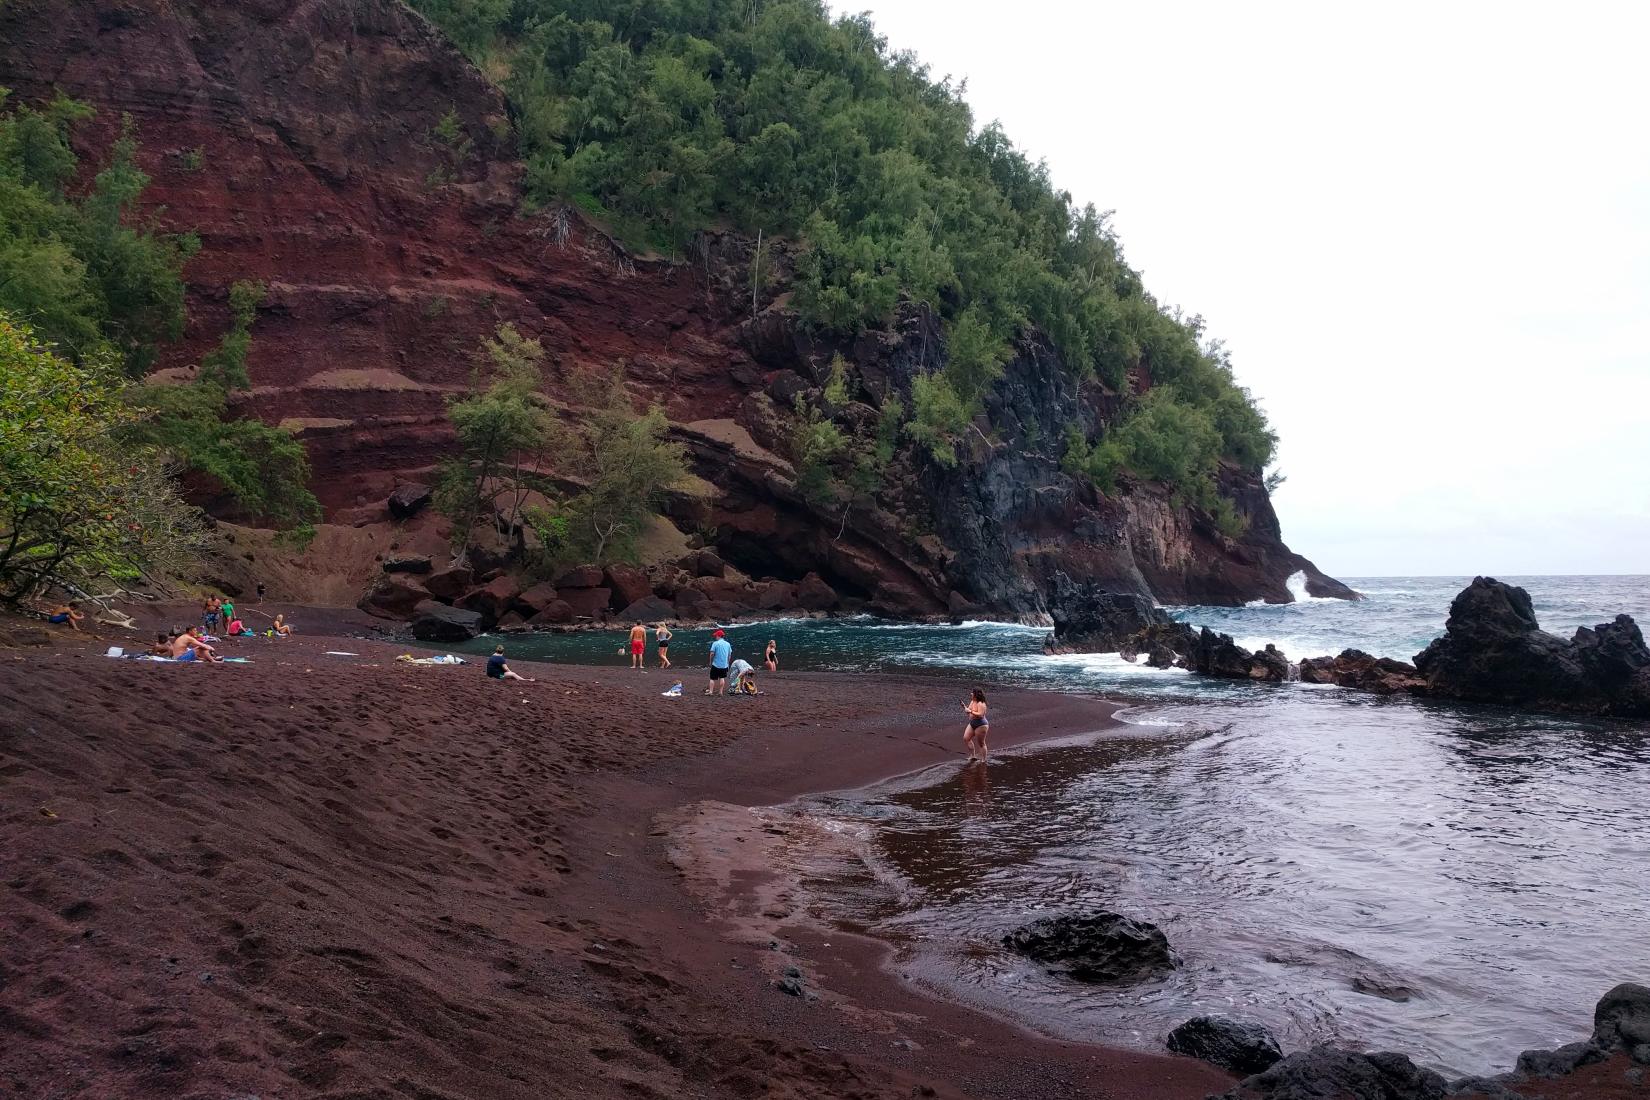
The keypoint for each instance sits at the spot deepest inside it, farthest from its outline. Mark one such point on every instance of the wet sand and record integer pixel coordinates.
(351, 877)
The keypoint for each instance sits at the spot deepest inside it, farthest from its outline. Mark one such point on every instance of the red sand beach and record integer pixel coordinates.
(319, 876)
(349, 877)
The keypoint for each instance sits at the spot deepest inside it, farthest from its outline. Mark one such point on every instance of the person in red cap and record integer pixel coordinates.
(721, 656)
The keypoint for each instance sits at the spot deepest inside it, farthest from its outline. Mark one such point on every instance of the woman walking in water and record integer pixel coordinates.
(979, 725)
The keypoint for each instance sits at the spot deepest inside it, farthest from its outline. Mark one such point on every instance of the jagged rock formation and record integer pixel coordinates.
(388, 255)
(1493, 650)
(1356, 669)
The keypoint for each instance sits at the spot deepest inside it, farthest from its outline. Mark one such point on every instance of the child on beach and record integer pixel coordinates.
(663, 636)
(69, 613)
(498, 669)
(979, 725)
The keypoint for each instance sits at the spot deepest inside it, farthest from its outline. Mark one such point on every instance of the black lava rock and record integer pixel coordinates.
(408, 499)
(1101, 948)
(1330, 1072)
(1241, 1046)
(436, 622)
(1493, 650)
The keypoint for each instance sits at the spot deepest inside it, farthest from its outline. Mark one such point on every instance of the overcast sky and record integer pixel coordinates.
(1422, 229)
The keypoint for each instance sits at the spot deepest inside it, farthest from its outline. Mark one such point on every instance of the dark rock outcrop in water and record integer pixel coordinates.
(1090, 619)
(1241, 1046)
(436, 622)
(1099, 948)
(1493, 651)
(1359, 670)
(1328, 1073)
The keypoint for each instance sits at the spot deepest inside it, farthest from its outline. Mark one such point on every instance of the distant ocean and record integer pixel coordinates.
(1458, 883)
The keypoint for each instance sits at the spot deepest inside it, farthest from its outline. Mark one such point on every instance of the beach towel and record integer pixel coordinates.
(340, 653)
(444, 659)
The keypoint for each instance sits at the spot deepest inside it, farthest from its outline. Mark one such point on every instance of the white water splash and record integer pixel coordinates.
(1297, 587)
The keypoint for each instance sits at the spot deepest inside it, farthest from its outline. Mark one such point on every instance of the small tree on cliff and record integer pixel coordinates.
(626, 461)
(496, 427)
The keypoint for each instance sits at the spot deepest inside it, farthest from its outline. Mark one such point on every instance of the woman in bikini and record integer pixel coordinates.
(979, 725)
(771, 657)
(663, 636)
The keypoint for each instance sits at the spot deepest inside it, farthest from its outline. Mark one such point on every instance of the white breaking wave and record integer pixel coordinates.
(1297, 586)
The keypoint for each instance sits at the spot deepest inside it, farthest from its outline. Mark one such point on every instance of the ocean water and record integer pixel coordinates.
(1457, 883)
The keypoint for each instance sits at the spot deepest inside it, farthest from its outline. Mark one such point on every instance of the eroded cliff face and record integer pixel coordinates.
(388, 254)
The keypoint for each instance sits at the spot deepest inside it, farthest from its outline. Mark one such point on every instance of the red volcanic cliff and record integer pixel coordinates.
(388, 257)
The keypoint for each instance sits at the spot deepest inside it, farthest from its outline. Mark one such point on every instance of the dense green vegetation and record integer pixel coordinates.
(79, 504)
(666, 117)
(87, 292)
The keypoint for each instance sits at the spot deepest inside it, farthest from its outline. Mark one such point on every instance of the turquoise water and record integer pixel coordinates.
(1457, 883)
(1396, 619)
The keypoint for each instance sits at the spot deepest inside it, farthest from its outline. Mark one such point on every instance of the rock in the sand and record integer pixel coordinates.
(408, 499)
(1099, 948)
(1325, 1072)
(408, 564)
(553, 613)
(436, 622)
(1090, 619)
(1241, 1046)
(1493, 650)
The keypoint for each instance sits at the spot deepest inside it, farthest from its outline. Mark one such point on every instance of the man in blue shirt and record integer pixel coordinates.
(721, 655)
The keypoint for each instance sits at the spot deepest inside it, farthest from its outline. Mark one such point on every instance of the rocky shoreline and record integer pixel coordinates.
(1493, 650)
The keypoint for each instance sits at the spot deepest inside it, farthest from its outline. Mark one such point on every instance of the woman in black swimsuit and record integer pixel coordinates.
(771, 657)
(979, 725)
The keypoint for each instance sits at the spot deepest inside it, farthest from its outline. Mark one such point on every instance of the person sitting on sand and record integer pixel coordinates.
(67, 613)
(187, 646)
(162, 646)
(638, 647)
(497, 669)
(979, 726)
(663, 636)
(280, 628)
(771, 657)
(721, 655)
(237, 628)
